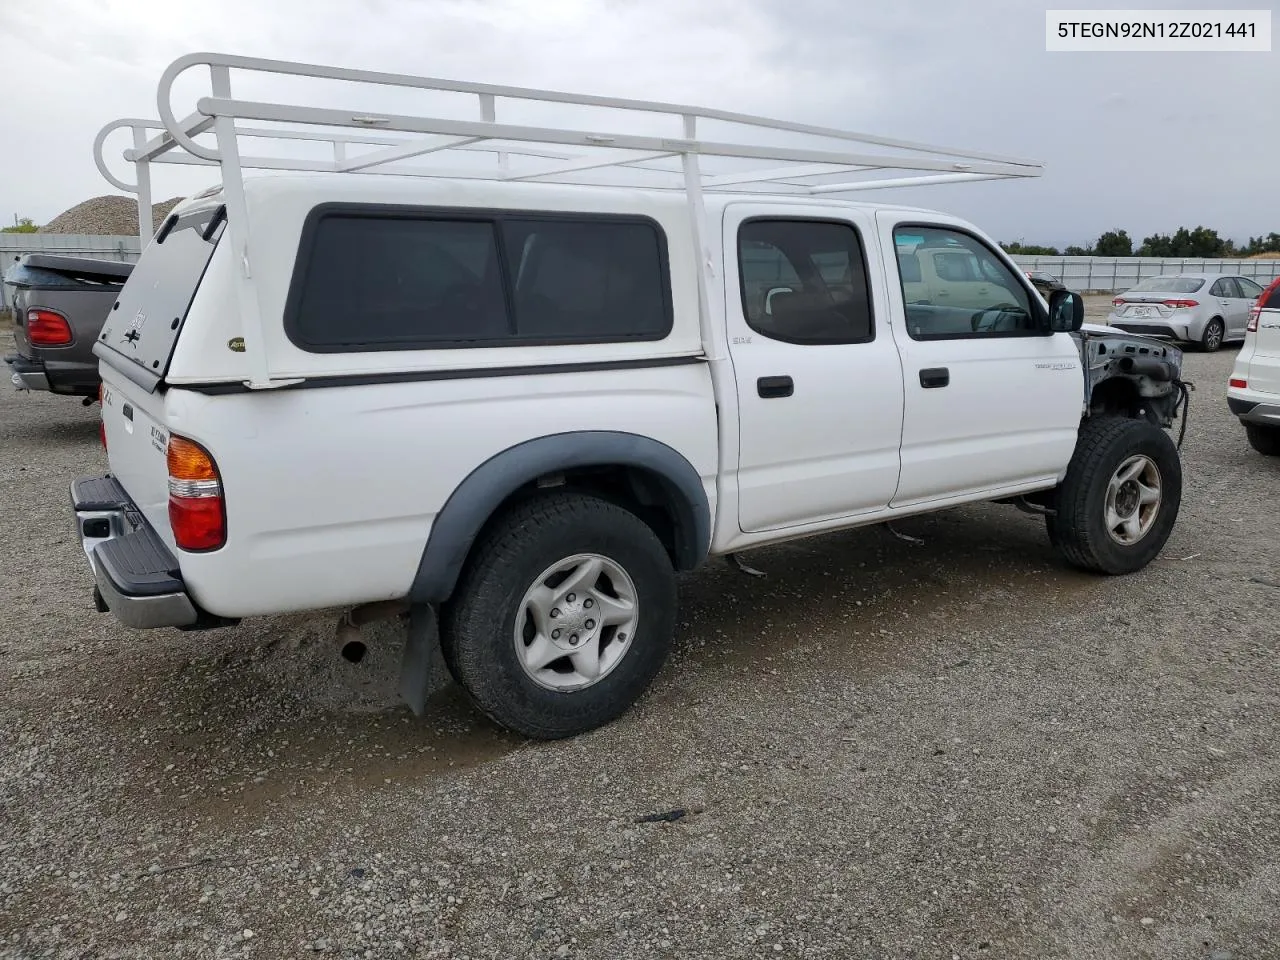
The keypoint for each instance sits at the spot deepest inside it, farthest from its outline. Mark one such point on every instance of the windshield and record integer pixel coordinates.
(144, 324)
(1168, 285)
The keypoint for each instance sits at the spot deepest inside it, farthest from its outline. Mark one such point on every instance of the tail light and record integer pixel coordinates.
(1239, 383)
(1119, 302)
(197, 513)
(47, 328)
(1255, 312)
(1181, 304)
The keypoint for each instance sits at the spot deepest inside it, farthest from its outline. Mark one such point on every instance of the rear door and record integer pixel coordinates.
(818, 377)
(135, 346)
(1226, 296)
(991, 401)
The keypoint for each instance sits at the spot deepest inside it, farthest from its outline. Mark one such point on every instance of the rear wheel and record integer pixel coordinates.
(1118, 502)
(1211, 339)
(1263, 439)
(563, 617)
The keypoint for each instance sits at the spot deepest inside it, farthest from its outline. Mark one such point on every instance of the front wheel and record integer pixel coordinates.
(1115, 509)
(563, 617)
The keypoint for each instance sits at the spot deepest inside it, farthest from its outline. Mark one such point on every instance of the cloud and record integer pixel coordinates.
(1148, 142)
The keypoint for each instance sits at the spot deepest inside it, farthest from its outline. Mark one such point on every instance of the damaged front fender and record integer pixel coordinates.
(1130, 373)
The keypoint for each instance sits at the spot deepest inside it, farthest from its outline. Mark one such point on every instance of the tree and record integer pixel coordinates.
(1078, 252)
(1268, 244)
(25, 225)
(1018, 248)
(1113, 243)
(1198, 242)
(1156, 245)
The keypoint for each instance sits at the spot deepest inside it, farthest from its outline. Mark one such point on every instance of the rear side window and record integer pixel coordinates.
(805, 281)
(1248, 289)
(370, 279)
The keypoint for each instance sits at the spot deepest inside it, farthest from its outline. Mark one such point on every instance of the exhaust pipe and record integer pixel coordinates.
(347, 633)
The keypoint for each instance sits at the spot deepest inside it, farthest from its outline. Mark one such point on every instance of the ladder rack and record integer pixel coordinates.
(816, 160)
(755, 155)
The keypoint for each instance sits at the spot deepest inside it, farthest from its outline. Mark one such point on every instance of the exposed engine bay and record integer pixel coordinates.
(1134, 374)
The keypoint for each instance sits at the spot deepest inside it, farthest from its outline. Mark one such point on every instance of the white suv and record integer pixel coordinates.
(1253, 392)
(516, 409)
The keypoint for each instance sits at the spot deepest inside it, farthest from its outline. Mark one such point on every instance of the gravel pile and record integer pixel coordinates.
(955, 749)
(107, 215)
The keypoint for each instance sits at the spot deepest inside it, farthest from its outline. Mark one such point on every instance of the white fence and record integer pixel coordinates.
(1117, 274)
(14, 246)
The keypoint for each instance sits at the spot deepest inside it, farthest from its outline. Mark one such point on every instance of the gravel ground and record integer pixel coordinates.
(951, 749)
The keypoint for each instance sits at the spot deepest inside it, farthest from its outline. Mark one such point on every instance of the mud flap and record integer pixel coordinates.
(422, 668)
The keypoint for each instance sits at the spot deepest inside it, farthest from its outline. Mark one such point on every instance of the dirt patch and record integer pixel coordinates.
(884, 749)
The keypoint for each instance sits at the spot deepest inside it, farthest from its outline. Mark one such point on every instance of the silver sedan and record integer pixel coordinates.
(1202, 308)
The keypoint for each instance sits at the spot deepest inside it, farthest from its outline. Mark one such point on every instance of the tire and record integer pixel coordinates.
(496, 596)
(1214, 334)
(1266, 440)
(1109, 448)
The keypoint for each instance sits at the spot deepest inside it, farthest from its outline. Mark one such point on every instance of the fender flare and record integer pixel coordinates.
(470, 506)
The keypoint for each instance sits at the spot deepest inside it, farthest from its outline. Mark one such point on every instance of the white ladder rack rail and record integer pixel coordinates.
(560, 154)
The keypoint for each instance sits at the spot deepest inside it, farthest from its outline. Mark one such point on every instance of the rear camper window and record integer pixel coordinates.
(371, 278)
(144, 323)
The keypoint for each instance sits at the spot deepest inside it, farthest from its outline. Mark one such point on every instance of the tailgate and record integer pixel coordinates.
(77, 288)
(1264, 365)
(136, 442)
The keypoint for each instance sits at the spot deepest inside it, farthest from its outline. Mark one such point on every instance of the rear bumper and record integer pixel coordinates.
(1258, 412)
(71, 377)
(26, 374)
(138, 579)
(1166, 331)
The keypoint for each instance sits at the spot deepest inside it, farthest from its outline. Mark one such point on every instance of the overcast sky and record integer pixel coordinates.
(1147, 142)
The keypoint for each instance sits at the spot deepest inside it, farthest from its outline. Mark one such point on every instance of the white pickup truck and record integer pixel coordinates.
(516, 409)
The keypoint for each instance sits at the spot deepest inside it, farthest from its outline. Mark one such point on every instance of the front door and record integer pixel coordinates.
(992, 401)
(818, 378)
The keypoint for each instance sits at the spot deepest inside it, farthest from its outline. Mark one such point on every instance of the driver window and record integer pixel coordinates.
(970, 292)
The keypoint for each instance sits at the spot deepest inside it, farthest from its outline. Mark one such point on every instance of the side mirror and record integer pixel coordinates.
(1066, 311)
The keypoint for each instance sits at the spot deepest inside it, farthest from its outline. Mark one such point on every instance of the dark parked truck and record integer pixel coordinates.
(59, 306)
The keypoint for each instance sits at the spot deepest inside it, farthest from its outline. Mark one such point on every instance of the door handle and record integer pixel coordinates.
(935, 377)
(771, 387)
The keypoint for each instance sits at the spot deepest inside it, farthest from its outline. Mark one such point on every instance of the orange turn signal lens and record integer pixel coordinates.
(189, 461)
